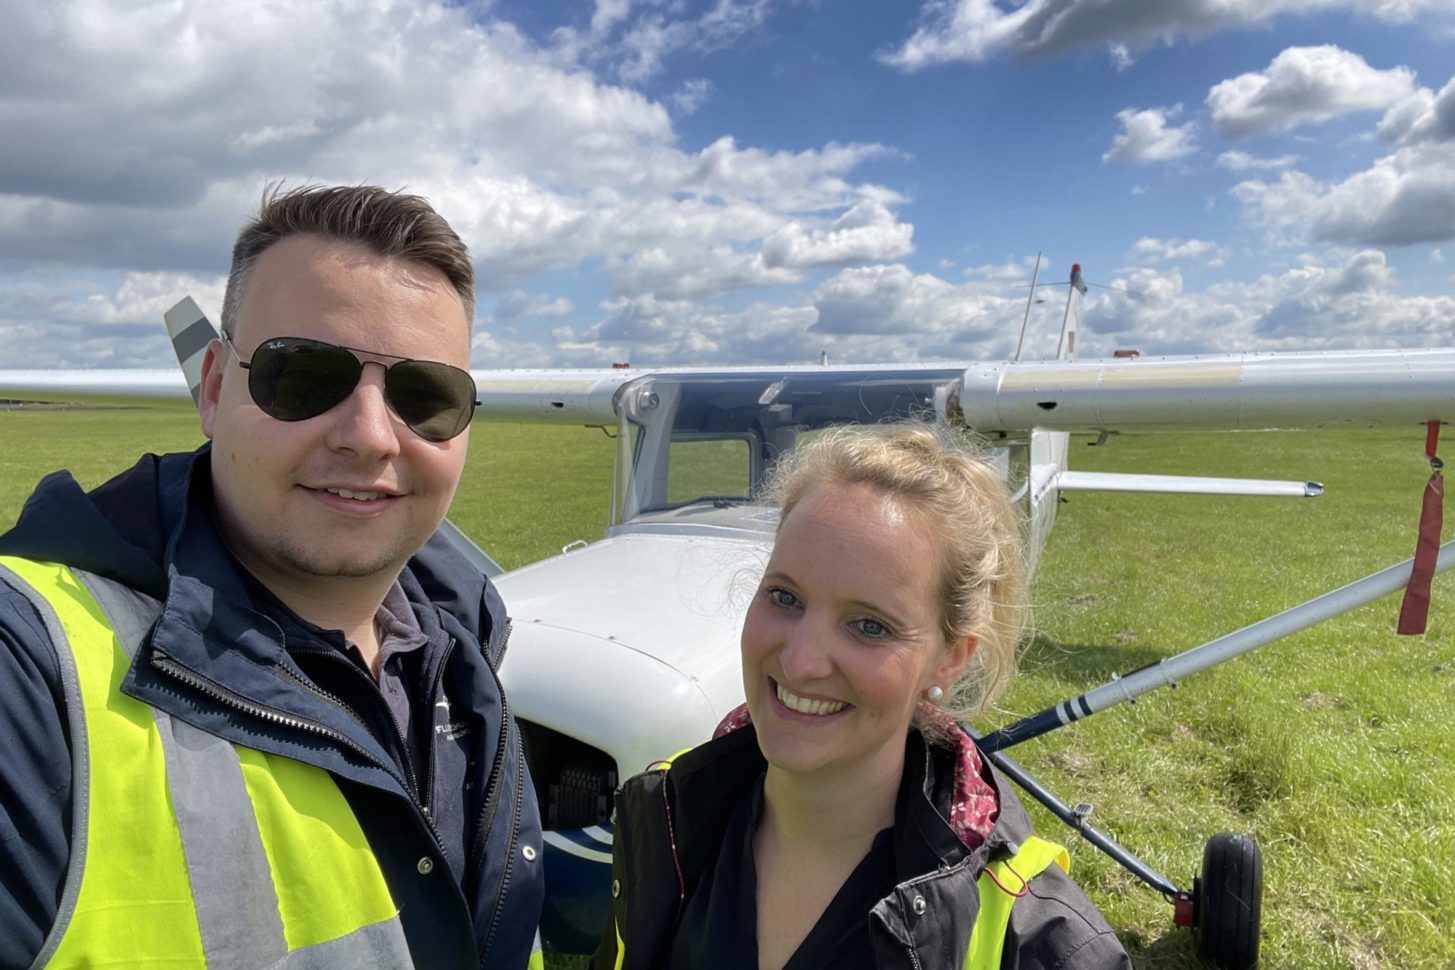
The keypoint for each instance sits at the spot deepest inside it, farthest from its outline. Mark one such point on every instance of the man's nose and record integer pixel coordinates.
(362, 422)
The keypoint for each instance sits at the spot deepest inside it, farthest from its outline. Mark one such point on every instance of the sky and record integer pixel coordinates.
(701, 182)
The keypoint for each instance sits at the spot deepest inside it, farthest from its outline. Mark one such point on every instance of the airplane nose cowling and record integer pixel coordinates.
(593, 711)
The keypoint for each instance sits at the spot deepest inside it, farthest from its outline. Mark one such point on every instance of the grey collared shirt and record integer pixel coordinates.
(401, 669)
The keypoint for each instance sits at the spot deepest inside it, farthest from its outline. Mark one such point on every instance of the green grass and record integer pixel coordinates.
(1331, 747)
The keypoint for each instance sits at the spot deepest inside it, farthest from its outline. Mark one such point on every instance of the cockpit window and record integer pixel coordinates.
(709, 468)
(711, 438)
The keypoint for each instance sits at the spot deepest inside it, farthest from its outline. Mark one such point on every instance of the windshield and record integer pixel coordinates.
(690, 439)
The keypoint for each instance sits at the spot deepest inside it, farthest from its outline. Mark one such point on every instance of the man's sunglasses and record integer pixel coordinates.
(294, 379)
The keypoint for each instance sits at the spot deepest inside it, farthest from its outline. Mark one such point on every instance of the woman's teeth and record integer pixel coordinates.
(803, 705)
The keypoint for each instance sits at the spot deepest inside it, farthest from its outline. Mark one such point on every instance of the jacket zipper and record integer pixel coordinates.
(420, 800)
(505, 640)
(236, 701)
(486, 820)
(510, 853)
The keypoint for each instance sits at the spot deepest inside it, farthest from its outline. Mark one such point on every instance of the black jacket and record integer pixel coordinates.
(152, 529)
(1054, 927)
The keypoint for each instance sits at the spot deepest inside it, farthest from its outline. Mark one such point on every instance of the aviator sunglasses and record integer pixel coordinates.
(294, 379)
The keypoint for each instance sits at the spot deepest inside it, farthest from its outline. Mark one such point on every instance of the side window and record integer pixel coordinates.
(701, 468)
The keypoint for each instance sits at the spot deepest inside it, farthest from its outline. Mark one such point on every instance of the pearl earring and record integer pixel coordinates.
(934, 694)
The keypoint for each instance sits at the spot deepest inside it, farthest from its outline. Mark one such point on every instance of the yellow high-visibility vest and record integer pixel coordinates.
(188, 851)
(1001, 884)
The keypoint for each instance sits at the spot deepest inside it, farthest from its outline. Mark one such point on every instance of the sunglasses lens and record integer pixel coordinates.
(436, 400)
(292, 379)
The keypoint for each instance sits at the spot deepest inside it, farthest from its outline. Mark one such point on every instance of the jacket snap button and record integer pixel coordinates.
(426, 866)
(615, 888)
(529, 852)
(919, 905)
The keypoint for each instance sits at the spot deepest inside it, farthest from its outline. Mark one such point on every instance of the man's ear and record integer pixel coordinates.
(209, 393)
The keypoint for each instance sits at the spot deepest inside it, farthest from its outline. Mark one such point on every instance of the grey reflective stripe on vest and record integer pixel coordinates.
(80, 763)
(220, 839)
(376, 945)
(225, 857)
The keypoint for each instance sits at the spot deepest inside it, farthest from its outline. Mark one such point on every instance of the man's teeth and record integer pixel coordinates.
(805, 706)
(357, 496)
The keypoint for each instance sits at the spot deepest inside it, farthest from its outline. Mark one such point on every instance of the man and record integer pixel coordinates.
(248, 699)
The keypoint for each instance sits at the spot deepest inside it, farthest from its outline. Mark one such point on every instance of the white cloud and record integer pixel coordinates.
(647, 43)
(638, 51)
(650, 331)
(1145, 137)
(1404, 198)
(520, 305)
(692, 95)
(889, 313)
(1149, 249)
(729, 19)
(1422, 117)
(697, 274)
(977, 30)
(866, 233)
(118, 159)
(1303, 85)
(1333, 301)
(64, 321)
(1243, 162)
(608, 13)
(892, 299)
(1012, 272)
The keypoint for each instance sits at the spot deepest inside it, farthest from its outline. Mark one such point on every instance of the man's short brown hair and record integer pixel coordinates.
(392, 224)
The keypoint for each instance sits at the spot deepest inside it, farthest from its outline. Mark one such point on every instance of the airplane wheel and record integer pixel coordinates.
(1229, 901)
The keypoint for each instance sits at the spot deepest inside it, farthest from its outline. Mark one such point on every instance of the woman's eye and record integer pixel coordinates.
(781, 597)
(872, 628)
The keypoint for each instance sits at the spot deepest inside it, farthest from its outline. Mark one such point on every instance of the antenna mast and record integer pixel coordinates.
(1027, 318)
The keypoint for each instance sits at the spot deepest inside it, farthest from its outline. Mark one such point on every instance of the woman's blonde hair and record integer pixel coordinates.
(939, 473)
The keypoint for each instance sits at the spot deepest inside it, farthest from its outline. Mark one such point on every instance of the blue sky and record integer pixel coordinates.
(729, 181)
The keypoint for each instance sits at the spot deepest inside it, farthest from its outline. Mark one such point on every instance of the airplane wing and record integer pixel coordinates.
(164, 388)
(1234, 391)
(1264, 391)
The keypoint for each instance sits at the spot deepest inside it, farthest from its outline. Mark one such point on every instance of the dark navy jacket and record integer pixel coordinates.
(228, 658)
(669, 831)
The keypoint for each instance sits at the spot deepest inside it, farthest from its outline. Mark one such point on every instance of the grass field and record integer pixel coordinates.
(1332, 747)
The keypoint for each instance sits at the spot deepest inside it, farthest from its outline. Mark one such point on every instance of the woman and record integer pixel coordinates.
(841, 818)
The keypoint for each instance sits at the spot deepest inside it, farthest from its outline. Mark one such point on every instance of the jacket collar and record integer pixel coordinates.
(217, 661)
(708, 780)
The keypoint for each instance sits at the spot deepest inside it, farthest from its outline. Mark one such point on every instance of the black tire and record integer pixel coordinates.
(1230, 901)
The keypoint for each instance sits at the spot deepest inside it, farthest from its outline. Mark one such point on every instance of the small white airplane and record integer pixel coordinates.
(653, 610)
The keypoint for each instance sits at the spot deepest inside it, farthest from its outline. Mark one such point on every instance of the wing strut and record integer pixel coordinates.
(1167, 672)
